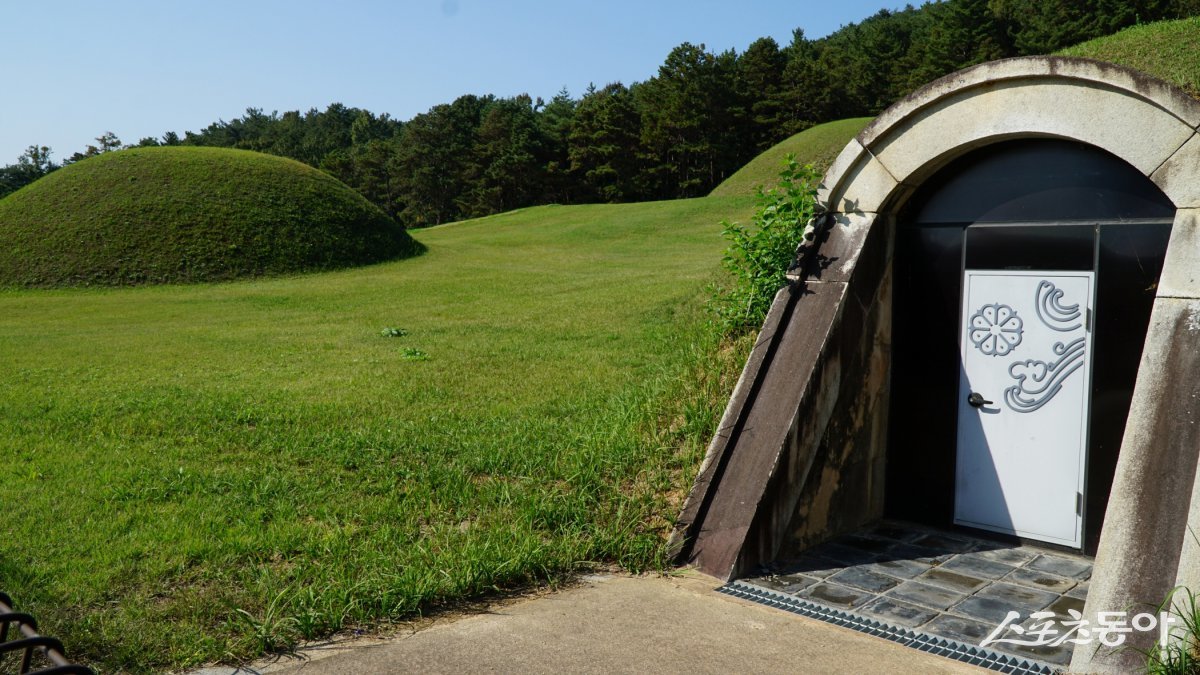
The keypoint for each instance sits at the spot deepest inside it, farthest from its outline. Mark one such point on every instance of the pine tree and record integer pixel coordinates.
(603, 145)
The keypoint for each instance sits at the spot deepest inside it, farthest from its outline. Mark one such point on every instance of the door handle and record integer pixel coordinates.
(977, 400)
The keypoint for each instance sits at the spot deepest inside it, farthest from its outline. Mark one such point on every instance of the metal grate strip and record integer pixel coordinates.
(940, 646)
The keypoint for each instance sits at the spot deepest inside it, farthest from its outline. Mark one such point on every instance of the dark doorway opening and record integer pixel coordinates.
(1027, 204)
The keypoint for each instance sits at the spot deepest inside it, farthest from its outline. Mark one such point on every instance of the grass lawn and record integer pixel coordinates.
(196, 473)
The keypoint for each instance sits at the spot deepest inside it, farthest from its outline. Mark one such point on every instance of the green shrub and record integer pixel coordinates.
(1181, 655)
(759, 255)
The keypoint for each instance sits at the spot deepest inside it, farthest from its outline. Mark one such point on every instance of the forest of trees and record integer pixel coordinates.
(677, 134)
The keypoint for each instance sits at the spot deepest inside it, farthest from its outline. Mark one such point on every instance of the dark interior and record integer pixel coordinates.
(1028, 204)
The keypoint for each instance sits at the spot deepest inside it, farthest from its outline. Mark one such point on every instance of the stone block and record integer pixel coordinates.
(1130, 127)
(1146, 523)
(1179, 175)
(857, 182)
(1180, 276)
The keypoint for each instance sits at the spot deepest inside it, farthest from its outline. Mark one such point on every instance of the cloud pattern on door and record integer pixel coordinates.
(996, 330)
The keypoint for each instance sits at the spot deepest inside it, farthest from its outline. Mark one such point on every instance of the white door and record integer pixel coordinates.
(1023, 403)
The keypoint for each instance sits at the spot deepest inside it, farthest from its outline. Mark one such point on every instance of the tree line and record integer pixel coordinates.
(677, 134)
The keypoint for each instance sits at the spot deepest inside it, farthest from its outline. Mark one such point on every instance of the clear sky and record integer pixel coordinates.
(73, 70)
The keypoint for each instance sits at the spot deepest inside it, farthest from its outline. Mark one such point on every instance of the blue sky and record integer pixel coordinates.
(77, 69)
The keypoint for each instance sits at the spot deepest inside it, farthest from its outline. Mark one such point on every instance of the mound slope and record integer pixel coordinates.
(183, 215)
(817, 145)
(1165, 49)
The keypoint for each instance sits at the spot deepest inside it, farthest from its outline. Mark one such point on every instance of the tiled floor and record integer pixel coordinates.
(947, 584)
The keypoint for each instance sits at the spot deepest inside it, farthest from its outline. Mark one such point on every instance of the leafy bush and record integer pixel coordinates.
(759, 255)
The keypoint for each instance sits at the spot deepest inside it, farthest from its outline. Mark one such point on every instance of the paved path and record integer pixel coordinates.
(942, 583)
(617, 624)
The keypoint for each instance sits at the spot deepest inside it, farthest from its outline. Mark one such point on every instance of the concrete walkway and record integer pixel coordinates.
(617, 624)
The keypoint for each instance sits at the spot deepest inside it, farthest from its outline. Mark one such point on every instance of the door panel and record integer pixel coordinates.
(1025, 348)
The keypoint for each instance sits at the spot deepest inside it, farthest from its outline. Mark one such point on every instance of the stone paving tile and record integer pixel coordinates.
(876, 545)
(988, 610)
(813, 567)
(1010, 556)
(1080, 591)
(1019, 596)
(836, 595)
(942, 583)
(1062, 566)
(972, 566)
(925, 595)
(1062, 605)
(790, 583)
(944, 542)
(867, 580)
(845, 555)
(1042, 580)
(952, 580)
(903, 569)
(897, 612)
(918, 553)
(896, 531)
(957, 628)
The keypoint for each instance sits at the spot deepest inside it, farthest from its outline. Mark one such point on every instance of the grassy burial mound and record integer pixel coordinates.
(1166, 49)
(182, 215)
(817, 145)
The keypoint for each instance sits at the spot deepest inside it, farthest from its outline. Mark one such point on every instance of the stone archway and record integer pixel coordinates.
(800, 450)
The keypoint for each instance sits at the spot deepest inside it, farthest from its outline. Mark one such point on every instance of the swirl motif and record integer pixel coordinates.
(1056, 316)
(1040, 381)
(996, 329)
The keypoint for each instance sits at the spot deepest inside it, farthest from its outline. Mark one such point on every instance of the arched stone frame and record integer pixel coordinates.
(795, 392)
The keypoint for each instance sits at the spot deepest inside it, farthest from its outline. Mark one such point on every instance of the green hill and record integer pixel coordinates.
(1168, 50)
(180, 215)
(817, 145)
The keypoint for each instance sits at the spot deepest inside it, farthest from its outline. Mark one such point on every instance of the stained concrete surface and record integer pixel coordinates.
(618, 624)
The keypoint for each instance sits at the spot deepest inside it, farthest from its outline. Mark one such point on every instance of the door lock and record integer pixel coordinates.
(977, 400)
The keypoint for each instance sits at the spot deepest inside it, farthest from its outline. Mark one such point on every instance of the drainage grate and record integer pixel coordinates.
(951, 649)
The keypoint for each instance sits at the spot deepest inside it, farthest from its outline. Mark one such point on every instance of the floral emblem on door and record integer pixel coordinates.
(996, 329)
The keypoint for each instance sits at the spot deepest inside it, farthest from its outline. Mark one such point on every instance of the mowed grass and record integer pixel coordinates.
(818, 146)
(200, 473)
(184, 215)
(1169, 50)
